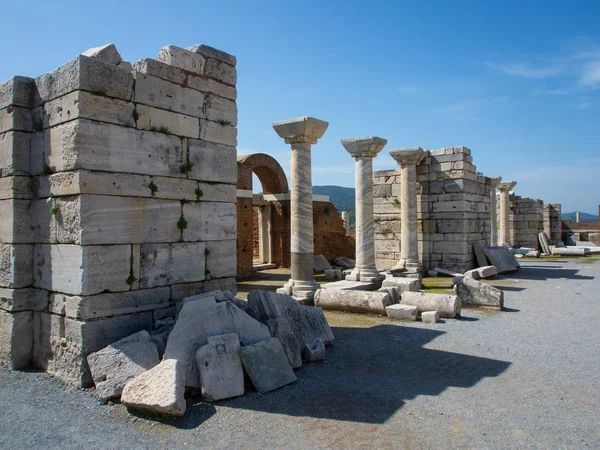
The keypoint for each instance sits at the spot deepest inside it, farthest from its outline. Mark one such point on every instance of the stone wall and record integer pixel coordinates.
(453, 211)
(118, 192)
(526, 220)
(553, 221)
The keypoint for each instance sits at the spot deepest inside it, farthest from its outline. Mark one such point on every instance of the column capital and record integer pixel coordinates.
(302, 130)
(507, 185)
(366, 147)
(408, 156)
(494, 182)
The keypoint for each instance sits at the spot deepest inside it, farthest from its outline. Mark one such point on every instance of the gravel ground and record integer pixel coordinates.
(524, 378)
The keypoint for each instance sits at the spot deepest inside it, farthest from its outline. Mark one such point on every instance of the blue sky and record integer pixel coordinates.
(515, 81)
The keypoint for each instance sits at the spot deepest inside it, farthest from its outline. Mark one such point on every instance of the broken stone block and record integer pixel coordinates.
(197, 321)
(402, 312)
(16, 339)
(160, 336)
(333, 274)
(160, 390)
(23, 299)
(184, 59)
(403, 284)
(568, 251)
(320, 264)
(220, 367)
(267, 365)
(280, 329)
(487, 271)
(113, 366)
(480, 254)
(502, 259)
(307, 322)
(344, 263)
(394, 293)
(446, 305)
(210, 52)
(106, 53)
(314, 351)
(220, 71)
(473, 273)
(430, 317)
(475, 293)
(373, 302)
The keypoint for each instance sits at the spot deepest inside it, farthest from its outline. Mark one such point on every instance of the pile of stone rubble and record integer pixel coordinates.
(215, 340)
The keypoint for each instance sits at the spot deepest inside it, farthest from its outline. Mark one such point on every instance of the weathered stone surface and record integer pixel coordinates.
(15, 187)
(430, 316)
(480, 254)
(25, 221)
(446, 305)
(113, 366)
(487, 271)
(15, 118)
(568, 251)
(205, 299)
(333, 274)
(15, 153)
(307, 322)
(220, 71)
(344, 263)
(197, 321)
(160, 389)
(267, 365)
(403, 283)
(218, 133)
(373, 302)
(153, 91)
(221, 110)
(16, 339)
(23, 299)
(402, 312)
(320, 264)
(17, 91)
(502, 259)
(314, 351)
(394, 293)
(221, 259)
(184, 59)
(16, 263)
(475, 293)
(166, 264)
(209, 86)
(212, 162)
(210, 52)
(280, 329)
(210, 221)
(161, 70)
(168, 122)
(473, 273)
(220, 366)
(106, 53)
(180, 291)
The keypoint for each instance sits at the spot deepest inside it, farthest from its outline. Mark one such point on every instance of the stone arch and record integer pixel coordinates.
(268, 171)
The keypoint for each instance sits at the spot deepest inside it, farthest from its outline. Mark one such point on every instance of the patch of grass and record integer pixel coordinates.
(186, 168)
(182, 224)
(589, 260)
(161, 129)
(437, 283)
(54, 211)
(135, 114)
(131, 279)
(206, 272)
(199, 194)
(153, 188)
(396, 202)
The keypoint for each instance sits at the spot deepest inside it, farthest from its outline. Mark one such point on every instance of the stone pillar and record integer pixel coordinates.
(409, 248)
(264, 234)
(301, 133)
(494, 218)
(504, 188)
(363, 150)
(346, 219)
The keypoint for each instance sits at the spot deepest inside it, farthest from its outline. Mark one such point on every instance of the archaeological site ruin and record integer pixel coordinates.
(129, 218)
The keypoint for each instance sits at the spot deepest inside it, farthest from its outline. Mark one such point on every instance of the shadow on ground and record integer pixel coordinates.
(540, 273)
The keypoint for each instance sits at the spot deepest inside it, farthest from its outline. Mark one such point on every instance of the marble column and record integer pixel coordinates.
(301, 133)
(363, 150)
(265, 248)
(346, 220)
(504, 234)
(409, 246)
(494, 214)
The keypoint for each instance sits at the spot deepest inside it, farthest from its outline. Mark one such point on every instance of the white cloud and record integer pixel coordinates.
(527, 70)
(545, 91)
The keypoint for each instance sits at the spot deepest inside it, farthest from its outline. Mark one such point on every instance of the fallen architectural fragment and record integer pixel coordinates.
(281, 329)
(320, 264)
(473, 293)
(408, 313)
(430, 316)
(220, 367)
(502, 259)
(314, 351)
(369, 302)
(267, 365)
(447, 305)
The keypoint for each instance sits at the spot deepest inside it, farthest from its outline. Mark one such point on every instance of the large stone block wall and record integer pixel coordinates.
(553, 221)
(526, 220)
(118, 188)
(453, 211)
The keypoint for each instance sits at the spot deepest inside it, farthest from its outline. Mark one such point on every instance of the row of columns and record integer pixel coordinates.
(303, 132)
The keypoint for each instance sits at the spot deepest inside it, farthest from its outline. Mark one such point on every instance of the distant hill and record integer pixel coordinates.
(341, 197)
(585, 217)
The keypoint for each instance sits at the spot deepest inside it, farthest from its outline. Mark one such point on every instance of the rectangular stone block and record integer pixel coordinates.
(16, 339)
(16, 264)
(182, 58)
(25, 221)
(103, 219)
(181, 291)
(217, 132)
(161, 70)
(26, 299)
(220, 71)
(209, 86)
(221, 110)
(155, 119)
(387, 245)
(15, 118)
(15, 187)
(166, 264)
(212, 162)
(221, 258)
(211, 52)
(84, 144)
(17, 91)
(163, 94)
(82, 270)
(110, 304)
(15, 153)
(88, 74)
(210, 221)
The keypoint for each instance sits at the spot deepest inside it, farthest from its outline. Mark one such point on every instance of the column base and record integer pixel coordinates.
(365, 275)
(407, 269)
(300, 289)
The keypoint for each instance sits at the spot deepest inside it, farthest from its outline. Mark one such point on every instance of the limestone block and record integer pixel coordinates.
(155, 119)
(15, 187)
(211, 192)
(267, 365)
(221, 258)
(25, 221)
(320, 264)
(314, 351)
(392, 245)
(210, 221)
(184, 59)
(568, 251)
(307, 322)
(473, 273)
(220, 366)
(430, 316)
(107, 53)
(480, 254)
(87, 74)
(353, 301)
(166, 264)
(393, 291)
(16, 339)
(100, 219)
(197, 321)
(113, 366)
(221, 110)
(218, 133)
(85, 105)
(333, 274)
(402, 284)
(17, 91)
(210, 52)
(23, 299)
(83, 144)
(180, 291)
(14, 153)
(163, 94)
(474, 293)
(15, 118)
(452, 247)
(487, 271)
(160, 390)
(16, 262)
(220, 71)
(209, 86)
(402, 312)
(212, 162)
(446, 305)
(502, 259)
(384, 190)
(161, 70)
(108, 304)
(280, 328)
(82, 270)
